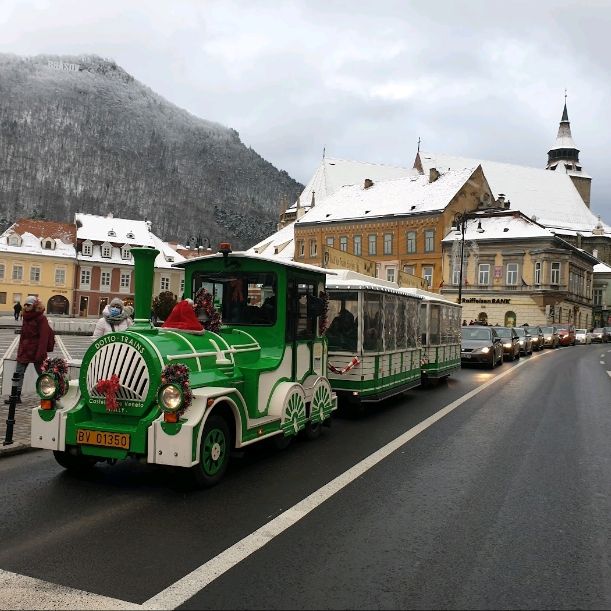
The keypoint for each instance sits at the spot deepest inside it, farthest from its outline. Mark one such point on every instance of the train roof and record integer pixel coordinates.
(428, 296)
(348, 280)
(256, 257)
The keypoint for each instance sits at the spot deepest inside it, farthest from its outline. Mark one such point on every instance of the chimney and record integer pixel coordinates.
(433, 174)
(313, 199)
(501, 200)
(368, 183)
(595, 253)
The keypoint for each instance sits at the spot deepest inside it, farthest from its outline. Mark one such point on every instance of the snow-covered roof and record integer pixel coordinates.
(550, 196)
(32, 245)
(332, 174)
(348, 280)
(602, 268)
(411, 195)
(500, 227)
(280, 244)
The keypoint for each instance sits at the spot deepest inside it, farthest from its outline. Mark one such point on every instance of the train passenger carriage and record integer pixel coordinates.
(187, 397)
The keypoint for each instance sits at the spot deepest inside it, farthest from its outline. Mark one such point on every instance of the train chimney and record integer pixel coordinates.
(144, 270)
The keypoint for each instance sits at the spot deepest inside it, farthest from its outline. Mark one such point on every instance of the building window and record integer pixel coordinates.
(555, 273)
(373, 242)
(390, 274)
(429, 240)
(409, 269)
(105, 280)
(597, 297)
(378, 270)
(330, 241)
(14, 240)
(35, 274)
(2, 298)
(48, 244)
(60, 276)
(182, 286)
(343, 243)
(18, 272)
(388, 243)
(313, 248)
(411, 241)
(484, 274)
(456, 273)
(538, 272)
(124, 282)
(427, 274)
(85, 278)
(125, 252)
(87, 249)
(1, 271)
(301, 248)
(512, 274)
(357, 245)
(106, 251)
(165, 283)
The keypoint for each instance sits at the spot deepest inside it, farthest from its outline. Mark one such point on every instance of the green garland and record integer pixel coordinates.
(203, 302)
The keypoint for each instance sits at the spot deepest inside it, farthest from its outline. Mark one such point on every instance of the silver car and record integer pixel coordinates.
(583, 336)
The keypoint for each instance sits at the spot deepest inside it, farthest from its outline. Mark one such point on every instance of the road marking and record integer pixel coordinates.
(62, 347)
(187, 587)
(21, 592)
(609, 373)
(8, 353)
(602, 362)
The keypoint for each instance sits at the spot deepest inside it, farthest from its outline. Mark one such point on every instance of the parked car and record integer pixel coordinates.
(511, 342)
(566, 335)
(526, 342)
(537, 336)
(600, 335)
(550, 335)
(583, 336)
(480, 345)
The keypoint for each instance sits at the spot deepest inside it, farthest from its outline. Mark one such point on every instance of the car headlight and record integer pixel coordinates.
(46, 386)
(485, 350)
(507, 345)
(521, 342)
(170, 397)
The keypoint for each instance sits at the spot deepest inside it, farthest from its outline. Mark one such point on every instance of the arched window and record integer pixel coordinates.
(482, 318)
(510, 319)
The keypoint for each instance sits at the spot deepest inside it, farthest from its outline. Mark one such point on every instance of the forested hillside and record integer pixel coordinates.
(79, 134)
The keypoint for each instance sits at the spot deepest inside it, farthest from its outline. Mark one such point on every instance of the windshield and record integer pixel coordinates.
(475, 334)
(581, 331)
(503, 332)
(521, 332)
(547, 329)
(598, 330)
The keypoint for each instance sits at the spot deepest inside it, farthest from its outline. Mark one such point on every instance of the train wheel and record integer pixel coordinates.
(213, 453)
(312, 430)
(76, 463)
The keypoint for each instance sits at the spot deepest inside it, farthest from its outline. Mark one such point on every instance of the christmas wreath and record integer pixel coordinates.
(59, 368)
(203, 303)
(178, 374)
(323, 321)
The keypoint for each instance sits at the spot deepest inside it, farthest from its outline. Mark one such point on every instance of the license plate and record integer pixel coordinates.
(466, 355)
(102, 438)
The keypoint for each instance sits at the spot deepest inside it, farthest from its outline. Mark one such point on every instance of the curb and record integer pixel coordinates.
(16, 448)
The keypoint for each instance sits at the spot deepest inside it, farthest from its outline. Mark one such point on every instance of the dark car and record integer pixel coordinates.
(511, 342)
(566, 335)
(480, 345)
(537, 336)
(599, 335)
(551, 339)
(526, 342)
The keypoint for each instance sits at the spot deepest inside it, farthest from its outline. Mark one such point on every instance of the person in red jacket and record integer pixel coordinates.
(33, 341)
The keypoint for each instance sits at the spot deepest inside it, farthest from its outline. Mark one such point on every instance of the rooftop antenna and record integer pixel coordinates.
(418, 143)
(323, 152)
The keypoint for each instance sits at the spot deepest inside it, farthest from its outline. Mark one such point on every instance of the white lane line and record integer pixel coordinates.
(21, 592)
(197, 580)
(602, 362)
(609, 373)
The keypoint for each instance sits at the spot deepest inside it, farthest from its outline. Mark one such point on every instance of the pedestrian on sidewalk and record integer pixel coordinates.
(17, 309)
(114, 318)
(33, 341)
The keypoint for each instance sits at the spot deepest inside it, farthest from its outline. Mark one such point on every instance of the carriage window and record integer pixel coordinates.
(372, 320)
(401, 323)
(343, 314)
(435, 325)
(390, 320)
(301, 324)
(243, 298)
(412, 318)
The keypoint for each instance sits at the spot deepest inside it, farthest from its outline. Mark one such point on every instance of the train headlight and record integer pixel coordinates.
(170, 397)
(46, 386)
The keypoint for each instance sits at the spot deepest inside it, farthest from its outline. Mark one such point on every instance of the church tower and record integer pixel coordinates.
(564, 157)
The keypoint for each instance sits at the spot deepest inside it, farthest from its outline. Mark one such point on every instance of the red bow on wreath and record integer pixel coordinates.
(109, 389)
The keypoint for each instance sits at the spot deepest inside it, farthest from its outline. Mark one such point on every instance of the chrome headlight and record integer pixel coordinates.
(485, 350)
(46, 385)
(170, 397)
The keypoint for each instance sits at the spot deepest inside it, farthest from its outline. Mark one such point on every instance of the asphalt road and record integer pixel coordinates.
(502, 502)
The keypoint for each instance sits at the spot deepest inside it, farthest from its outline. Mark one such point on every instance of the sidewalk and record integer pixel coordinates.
(21, 431)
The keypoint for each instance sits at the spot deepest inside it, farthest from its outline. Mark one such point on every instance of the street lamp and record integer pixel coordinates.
(198, 242)
(459, 228)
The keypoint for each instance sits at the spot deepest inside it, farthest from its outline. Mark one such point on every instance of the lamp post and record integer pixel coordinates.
(459, 228)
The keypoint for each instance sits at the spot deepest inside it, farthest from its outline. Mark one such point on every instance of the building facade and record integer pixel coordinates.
(601, 299)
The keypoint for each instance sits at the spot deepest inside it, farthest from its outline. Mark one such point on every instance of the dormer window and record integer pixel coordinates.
(130, 236)
(48, 244)
(125, 253)
(106, 250)
(169, 259)
(14, 240)
(87, 249)
(112, 234)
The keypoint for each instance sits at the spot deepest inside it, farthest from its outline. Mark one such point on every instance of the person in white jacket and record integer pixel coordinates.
(114, 318)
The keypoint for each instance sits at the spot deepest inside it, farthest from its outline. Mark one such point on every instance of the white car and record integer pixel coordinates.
(583, 336)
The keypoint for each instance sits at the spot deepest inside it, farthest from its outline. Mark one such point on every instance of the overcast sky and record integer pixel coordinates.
(364, 79)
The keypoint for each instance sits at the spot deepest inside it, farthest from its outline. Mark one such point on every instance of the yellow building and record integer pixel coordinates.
(38, 257)
(398, 223)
